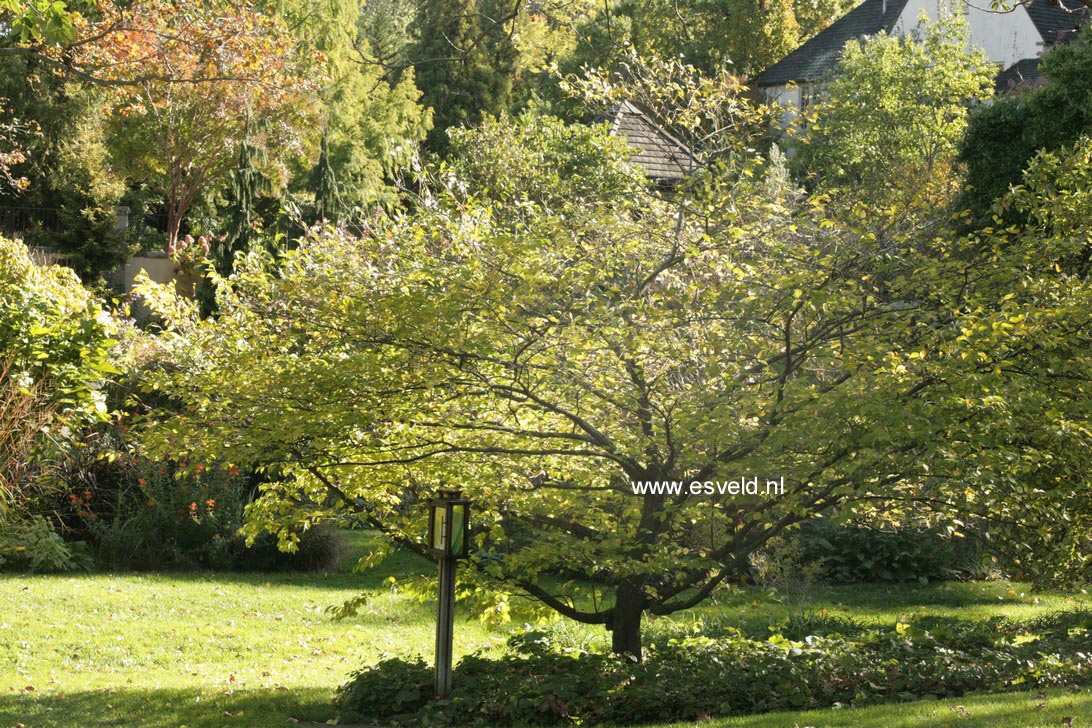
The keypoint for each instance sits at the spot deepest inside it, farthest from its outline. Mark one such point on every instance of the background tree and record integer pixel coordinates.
(192, 77)
(62, 166)
(371, 123)
(463, 57)
(735, 35)
(896, 111)
(246, 184)
(1004, 136)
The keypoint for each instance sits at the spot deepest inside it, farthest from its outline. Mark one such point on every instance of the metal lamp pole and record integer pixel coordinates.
(445, 626)
(448, 539)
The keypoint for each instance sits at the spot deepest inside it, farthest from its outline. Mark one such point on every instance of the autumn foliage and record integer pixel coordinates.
(189, 82)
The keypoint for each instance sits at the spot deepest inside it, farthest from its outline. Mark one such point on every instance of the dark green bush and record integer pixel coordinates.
(695, 677)
(391, 688)
(320, 548)
(854, 553)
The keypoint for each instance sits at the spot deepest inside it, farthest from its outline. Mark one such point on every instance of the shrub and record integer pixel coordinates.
(53, 331)
(854, 553)
(693, 678)
(320, 548)
(390, 688)
(139, 514)
(29, 543)
(27, 540)
(54, 339)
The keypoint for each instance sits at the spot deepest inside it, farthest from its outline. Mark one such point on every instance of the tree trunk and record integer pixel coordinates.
(625, 623)
(174, 225)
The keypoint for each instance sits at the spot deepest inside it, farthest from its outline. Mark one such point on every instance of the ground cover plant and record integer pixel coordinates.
(687, 678)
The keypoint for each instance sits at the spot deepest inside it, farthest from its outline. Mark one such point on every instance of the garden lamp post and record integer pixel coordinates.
(448, 540)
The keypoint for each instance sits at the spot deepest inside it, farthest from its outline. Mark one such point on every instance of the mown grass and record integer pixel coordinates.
(1052, 708)
(260, 650)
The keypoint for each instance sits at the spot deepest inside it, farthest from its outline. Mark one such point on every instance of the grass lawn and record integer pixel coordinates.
(259, 650)
(1015, 710)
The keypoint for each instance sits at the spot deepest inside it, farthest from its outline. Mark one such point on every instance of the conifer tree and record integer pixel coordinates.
(463, 59)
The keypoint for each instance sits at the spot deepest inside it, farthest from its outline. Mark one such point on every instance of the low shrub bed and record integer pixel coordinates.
(854, 553)
(692, 678)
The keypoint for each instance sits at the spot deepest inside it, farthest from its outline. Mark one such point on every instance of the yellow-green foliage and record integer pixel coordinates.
(52, 330)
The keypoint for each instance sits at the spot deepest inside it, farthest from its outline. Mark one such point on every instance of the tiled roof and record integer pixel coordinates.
(664, 158)
(818, 58)
(1020, 75)
(1057, 23)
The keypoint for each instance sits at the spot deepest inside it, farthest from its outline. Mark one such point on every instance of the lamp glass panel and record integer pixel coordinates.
(439, 533)
(458, 528)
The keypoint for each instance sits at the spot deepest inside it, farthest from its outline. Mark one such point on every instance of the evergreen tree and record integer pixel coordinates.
(1003, 137)
(245, 184)
(463, 58)
(371, 125)
(324, 185)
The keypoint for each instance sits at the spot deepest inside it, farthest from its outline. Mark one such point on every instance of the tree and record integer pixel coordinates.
(370, 125)
(463, 58)
(245, 184)
(895, 113)
(63, 167)
(553, 338)
(191, 78)
(596, 364)
(1003, 137)
(737, 35)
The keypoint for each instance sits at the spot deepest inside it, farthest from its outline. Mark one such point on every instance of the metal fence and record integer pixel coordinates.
(19, 220)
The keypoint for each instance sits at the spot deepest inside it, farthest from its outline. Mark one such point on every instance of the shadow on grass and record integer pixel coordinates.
(177, 707)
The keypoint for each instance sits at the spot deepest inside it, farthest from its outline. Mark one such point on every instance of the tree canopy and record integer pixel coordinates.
(550, 339)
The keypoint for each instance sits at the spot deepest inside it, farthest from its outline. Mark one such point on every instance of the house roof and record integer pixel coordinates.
(1022, 74)
(664, 158)
(1059, 22)
(818, 58)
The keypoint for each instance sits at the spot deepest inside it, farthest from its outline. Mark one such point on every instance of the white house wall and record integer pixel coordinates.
(1005, 37)
(788, 98)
